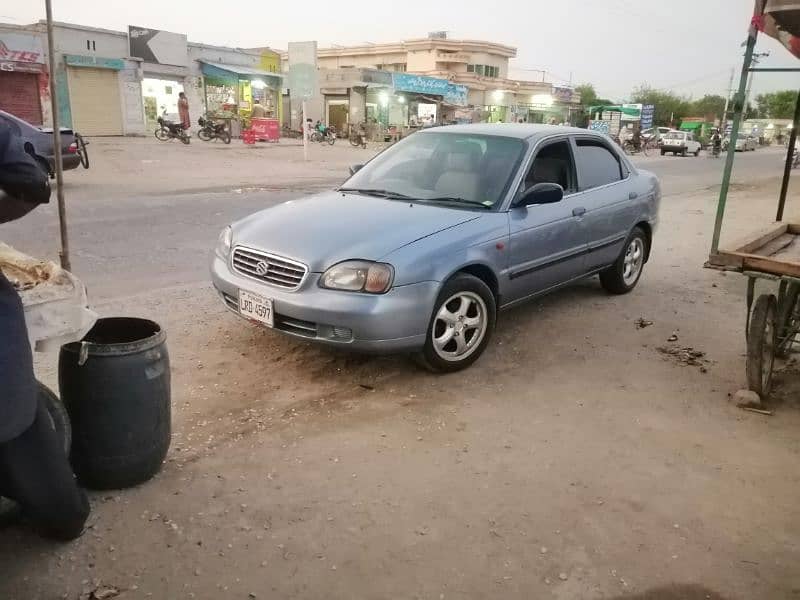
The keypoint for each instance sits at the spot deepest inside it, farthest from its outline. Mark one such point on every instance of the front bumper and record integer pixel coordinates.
(387, 323)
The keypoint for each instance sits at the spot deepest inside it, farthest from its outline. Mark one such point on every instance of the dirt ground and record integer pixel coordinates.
(581, 457)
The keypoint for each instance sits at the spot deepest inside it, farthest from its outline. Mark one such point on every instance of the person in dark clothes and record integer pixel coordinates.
(34, 471)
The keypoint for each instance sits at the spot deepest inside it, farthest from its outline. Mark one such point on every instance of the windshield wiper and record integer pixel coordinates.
(376, 192)
(458, 200)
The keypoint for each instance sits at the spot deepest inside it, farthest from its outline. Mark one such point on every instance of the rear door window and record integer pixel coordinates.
(597, 164)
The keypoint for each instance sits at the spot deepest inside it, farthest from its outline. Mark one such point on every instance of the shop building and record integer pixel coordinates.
(119, 82)
(383, 100)
(23, 75)
(482, 67)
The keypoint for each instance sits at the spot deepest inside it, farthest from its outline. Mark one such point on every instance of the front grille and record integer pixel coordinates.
(281, 272)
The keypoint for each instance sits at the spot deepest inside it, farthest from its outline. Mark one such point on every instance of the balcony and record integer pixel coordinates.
(452, 57)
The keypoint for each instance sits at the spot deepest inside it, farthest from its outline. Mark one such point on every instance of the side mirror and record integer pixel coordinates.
(355, 169)
(541, 193)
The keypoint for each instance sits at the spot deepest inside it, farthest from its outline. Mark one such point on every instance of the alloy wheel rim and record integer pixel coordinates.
(459, 326)
(633, 260)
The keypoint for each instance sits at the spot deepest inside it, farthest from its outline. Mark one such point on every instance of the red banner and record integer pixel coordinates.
(266, 129)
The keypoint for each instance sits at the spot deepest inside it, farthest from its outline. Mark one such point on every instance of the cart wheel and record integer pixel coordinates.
(82, 153)
(788, 321)
(761, 338)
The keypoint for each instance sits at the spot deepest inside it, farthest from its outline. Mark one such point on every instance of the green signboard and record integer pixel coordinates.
(97, 62)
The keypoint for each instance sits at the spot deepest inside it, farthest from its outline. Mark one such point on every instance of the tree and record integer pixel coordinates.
(776, 105)
(708, 105)
(589, 96)
(669, 108)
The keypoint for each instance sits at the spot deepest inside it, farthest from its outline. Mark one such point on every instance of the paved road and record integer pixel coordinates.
(121, 246)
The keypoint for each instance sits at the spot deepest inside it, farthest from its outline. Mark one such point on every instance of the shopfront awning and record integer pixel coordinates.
(234, 72)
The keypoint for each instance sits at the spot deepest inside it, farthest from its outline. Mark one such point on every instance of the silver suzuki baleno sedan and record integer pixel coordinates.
(419, 249)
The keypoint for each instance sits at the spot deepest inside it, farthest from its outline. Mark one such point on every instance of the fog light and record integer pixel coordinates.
(342, 333)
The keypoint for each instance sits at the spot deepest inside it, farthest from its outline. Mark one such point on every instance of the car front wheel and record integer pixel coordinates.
(461, 325)
(624, 274)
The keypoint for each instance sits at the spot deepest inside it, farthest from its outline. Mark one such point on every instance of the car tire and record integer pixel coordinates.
(697, 153)
(663, 152)
(624, 274)
(463, 299)
(683, 153)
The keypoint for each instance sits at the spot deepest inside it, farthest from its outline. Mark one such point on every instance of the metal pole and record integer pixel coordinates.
(62, 209)
(738, 108)
(787, 170)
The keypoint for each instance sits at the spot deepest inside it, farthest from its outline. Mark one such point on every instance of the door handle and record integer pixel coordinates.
(578, 212)
(633, 196)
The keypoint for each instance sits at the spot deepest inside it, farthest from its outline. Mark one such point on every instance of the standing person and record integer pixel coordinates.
(34, 471)
(183, 111)
(259, 112)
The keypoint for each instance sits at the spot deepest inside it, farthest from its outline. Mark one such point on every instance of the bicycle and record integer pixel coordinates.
(357, 136)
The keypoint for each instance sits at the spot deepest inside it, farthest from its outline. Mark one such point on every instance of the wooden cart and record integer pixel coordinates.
(772, 255)
(773, 320)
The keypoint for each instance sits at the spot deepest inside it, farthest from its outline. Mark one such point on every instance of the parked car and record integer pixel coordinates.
(73, 146)
(743, 143)
(420, 247)
(680, 142)
(662, 131)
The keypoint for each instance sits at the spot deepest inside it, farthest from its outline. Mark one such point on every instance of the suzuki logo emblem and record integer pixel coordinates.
(262, 268)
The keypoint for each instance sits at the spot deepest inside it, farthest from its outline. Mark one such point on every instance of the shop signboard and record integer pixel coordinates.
(451, 93)
(19, 48)
(158, 47)
(302, 69)
(377, 77)
(97, 62)
(562, 94)
(648, 112)
(600, 126)
(634, 112)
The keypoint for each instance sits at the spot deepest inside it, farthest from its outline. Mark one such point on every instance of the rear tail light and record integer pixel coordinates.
(73, 148)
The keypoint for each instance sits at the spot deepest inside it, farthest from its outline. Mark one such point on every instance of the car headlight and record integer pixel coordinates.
(224, 242)
(359, 276)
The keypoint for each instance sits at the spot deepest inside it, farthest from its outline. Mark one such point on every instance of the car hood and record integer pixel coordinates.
(328, 228)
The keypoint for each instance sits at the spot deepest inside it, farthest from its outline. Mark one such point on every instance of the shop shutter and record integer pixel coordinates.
(19, 95)
(95, 102)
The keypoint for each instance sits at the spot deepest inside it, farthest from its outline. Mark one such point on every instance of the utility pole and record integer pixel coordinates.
(757, 56)
(723, 124)
(62, 208)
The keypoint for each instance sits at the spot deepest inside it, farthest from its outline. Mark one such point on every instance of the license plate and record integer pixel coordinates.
(256, 307)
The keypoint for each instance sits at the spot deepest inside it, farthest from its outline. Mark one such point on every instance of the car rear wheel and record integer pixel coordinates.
(624, 274)
(461, 325)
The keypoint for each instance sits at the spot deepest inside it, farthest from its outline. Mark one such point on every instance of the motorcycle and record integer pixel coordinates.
(213, 131)
(167, 130)
(322, 134)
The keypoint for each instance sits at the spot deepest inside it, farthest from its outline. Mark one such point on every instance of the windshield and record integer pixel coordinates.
(443, 167)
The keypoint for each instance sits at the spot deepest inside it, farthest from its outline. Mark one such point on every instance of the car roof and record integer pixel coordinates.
(521, 131)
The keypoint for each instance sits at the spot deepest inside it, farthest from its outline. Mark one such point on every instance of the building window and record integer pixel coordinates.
(470, 68)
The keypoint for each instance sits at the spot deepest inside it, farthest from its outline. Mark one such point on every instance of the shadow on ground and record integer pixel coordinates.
(676, 591)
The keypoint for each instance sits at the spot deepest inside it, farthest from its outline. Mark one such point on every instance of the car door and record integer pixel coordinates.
(547, 241)
(606, 190)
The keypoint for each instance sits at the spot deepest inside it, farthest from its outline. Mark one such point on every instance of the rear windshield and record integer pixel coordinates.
(674, 135)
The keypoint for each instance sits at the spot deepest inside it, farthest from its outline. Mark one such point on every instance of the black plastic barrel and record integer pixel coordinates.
(116, 387)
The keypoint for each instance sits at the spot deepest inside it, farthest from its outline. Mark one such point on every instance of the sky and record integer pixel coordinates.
(687, 46)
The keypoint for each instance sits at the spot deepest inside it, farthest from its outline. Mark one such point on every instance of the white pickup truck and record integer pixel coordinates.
(680, 142)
